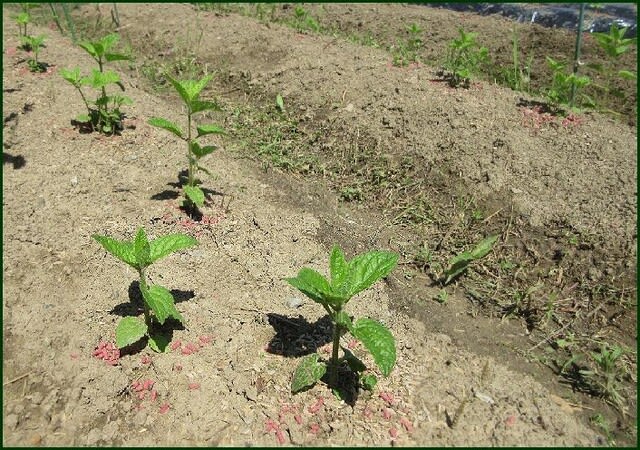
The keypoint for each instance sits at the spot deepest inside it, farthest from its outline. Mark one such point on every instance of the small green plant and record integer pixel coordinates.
(140, 254)
(405, 53)
(189, 91)
(602, 423)
(442, 296)
(34, 43)
(279, 103)
(105, 117)
(607, 373)
(614, 45)
(348, 278)
(460, 263)
(562, 85)
(22, 20)
(304, 21)
(517, 77)
(465, 59)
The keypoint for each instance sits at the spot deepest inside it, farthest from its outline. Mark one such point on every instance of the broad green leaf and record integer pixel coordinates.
(194, 88)
(178, 85)
(129, 331)
(167, 125)
(338, 267)
(107, 42)
(308, 372)
(314, 286)
(203, 130)
(141, 248)
(201, 151)
(89, 48)
(195, 194)
(354, 362)
(161, 303)
(379, 341)
(98, 80)
(203, 105)
(116, 57)
(165, 245)
(458, 265)
(71, 75)
(279, 102)
(484, 247)
(369, 382)
(158, 342)
(366, 269)
(83, 118)
(120, 249)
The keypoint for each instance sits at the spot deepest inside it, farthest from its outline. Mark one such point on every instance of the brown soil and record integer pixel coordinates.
(358, 117)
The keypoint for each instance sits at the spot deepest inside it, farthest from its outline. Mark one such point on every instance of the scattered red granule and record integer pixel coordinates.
(108, 352)
(193, 386)
(145, 359)
(154, 395)
(393, 432)
(367, 412)
(205, 339)
(164, 408)
(388, 398)
(175, 344)
(141, 395)
(298, 419)
(270, 426)
(387, 413)
(11, 51)
(148, 384)
(406, 423)
(280, 437)
(352, 344)
(74, 355)
(316, 406)
(509, 421)
(177, 367)
(572, 120)
(314, 428)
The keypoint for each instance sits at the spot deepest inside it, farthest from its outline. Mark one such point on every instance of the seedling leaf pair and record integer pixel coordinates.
(140, 254)
(348, 278)
(189, 91)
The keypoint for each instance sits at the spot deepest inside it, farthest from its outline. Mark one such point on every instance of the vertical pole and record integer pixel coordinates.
(54, 13)
(576, 56)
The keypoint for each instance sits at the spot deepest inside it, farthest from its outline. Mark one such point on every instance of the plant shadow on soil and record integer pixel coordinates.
(18, 161)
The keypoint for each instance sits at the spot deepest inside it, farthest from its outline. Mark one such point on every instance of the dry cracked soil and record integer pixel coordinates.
(460, 378)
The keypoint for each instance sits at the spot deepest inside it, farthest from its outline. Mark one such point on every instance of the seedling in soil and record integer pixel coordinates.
(105, 117)
(348, 278)
(460, 263)
(34, 43)
(562, 85)
(605, 377)
(23, 19)
(615, 45)
(189, 91)
(140, 254)
(407, 52)
(464, 60)
(279, 103)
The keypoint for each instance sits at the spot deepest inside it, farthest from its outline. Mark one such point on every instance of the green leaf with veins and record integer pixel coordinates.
(161, 303)
(379, 341)
(129, 331)
(195, 194)
(141, 249)
(203, 130)
(165, 245)
(158, 342)
(166, 124)
(120, 249)
(308, 372)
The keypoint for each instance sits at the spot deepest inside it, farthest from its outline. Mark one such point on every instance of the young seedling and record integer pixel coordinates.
(23, 19)
(158, 303)
(405, 53)
(464, 59)
(106, 116)
(34, 43)
(460, 263)
(348, 278)
(614, 45)
(563, 84)
(189, 91)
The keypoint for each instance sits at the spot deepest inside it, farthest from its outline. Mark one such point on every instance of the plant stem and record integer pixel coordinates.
(333, 369)
(189, 156)
(144, 288)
